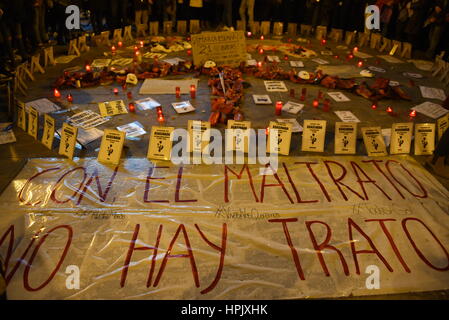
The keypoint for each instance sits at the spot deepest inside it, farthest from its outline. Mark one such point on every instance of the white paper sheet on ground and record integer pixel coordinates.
(86, 136)
(347, 116)
(326, 53)
(297, 64)
(42, 106)
(65, 59)
(6, 136)
(87, 119)
(292, 107)
(275, 86)
(173, 61)
(430, 109)
(390, 59)
(147, 104)
(376, 69)
(412, 75)
(320, 61)
(251, 62)
(183, 107)
(132, 129)
(338, 96)
(432, 93)
(362, 55)
(261, 99)
(273, 59)
(386, 134)
(121, 62)
(296, 127)
(157, 86)
(423, 65)
(101, 63)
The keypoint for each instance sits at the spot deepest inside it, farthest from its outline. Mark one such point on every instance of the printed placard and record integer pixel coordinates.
(338, 96)
(183, 107)
(431, 110)
(279, 138)
(273, 59)
(111, 146)
(261, 99)
(296, 127)
(68, 140)
(313, 135)
(33, 122)
(239, 139)
(199, 140)
(275, 86)
(424, 138)
(345, 137)
(292, 107)
(112, 108)
(374, 141)
(21, 115)
(401, 138)
(442, 125)
(49, 131)
(160, 144)
(297, 64)
(320, 61)
(224, 48)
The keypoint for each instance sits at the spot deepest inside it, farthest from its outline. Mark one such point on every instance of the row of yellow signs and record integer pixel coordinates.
(313, 138)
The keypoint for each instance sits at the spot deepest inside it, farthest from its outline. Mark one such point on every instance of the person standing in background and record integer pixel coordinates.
(142, 12)
(224, 13)
(418, 10)
(247, 6)
(39, 28)
(435, 23)
(98, 13)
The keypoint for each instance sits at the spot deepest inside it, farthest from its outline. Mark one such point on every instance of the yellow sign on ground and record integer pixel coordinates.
(374, 141)
(401, 137)
(279, 138)
(424, 138)
(33, 122)
(314, 135)
(21, 115)
(224, 48)
(68, 140)
(112, 108)
(111, 146)
(237, 138)
(345, 137)
(160, 144)
(49, 131)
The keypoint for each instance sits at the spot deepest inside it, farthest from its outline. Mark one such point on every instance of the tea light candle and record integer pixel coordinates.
(189, 52)
(316, 103)
(69, 98)
(113, 49)
(390, 110)
(178, 92)
(260, 51)
(138, 56)
(115, 91)
(249, 34)
(278, 110)
(355, 49)
(160, 118)
(323, 42)
(262, 37)
(374, 106)
(360, 64)
(192, 91)
(259, 64)
(88, 68)
(131, 107)
(56, 93)
(141, 44)
(412, 113)
(120, 44)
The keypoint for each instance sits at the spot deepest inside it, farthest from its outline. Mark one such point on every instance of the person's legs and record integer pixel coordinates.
(145, 16)
(228, 13)
(242, 12)
(251, 13)
(42, 26)
(36, 34)
(138, 17)
(434, 39)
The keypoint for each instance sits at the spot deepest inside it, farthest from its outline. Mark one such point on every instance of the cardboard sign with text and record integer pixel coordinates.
(49, 131)
(374, 141)
(281, 133)
(238, 135)
(111, 146)
(112, 108)
(401, 138)
(313, 135)
(345, 137)
(224, 48)
(33, 122)
(160, 144)
(199, 138)
(21, 115)
(424, 138)
(442, 125)
(68, 140)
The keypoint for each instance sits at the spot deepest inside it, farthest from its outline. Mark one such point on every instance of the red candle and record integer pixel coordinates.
(192, 91)
(115, 91)
(141, 44)
(259, 64)
(120, 44)
(326, 105)
(316, 103)
(323, 42)
(260, 51)
(350, 56)
(355, 49)
(374, 106)
(189, 52)
(113, 49)
(292, 93)
(159, 111)
(160, 118)
(390, 110)
(136, 48)
(303, 94)
(178, 92)
(286, 57)
(129, 95)
(262, 37)
(69, 98)
(360, 64)
(131, 107)
(249, 34)
(278, 110)
(88, 68)
(412, 113)
(267, 131)
(56, 93)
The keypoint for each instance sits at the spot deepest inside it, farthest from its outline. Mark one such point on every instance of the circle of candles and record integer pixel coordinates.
(412, 113)
(189, 52)
(262, 37)
(120, 44)
(88, 68)
(192, 91)
(316, 103)
(292, 93)
(69, 98)
(131, 107)
(278, 110)
(129, 94)
(115, 91)
(360, 64)
(389, 109)
(260, 51)
(178, 92)
(56, 93)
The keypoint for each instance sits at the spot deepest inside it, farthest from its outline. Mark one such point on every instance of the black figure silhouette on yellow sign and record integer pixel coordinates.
(160, 146)
(345, 141)
(110, 150)
(375, 144)
(424, 142)
(313, 138)
(400, 141)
